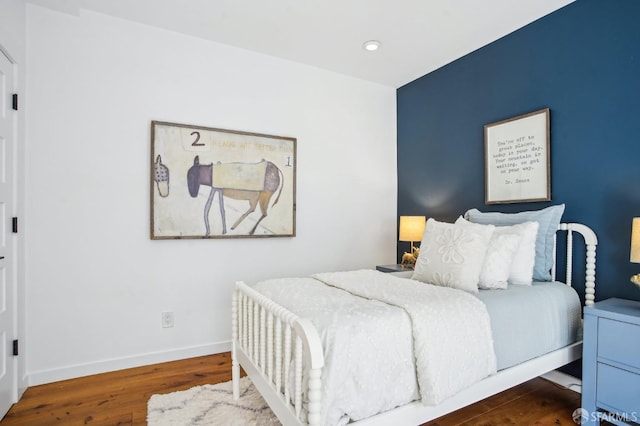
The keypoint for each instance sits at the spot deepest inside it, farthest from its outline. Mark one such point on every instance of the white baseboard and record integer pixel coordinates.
(73, 371)
(564, 380)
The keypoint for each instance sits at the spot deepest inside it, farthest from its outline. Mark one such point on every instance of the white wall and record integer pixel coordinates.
(96, 283)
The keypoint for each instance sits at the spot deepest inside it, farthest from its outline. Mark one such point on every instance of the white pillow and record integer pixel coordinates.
(521, 271)
(548, 220)
(500, 253)
(452, 256)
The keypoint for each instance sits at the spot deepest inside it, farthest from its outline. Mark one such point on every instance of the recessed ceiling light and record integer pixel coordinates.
(371, 45)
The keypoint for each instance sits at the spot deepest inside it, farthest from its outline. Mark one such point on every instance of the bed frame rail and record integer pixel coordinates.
(274, 347)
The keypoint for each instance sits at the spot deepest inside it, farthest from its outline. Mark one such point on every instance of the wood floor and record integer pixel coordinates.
(120, 398)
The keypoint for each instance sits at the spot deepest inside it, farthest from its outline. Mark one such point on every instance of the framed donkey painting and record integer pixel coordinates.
(248, 178)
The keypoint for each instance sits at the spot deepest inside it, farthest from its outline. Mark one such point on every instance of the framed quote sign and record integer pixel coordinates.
(517, 159)
(215, 183)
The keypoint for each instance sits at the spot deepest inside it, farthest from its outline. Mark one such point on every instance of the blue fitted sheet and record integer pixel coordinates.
(529, 321)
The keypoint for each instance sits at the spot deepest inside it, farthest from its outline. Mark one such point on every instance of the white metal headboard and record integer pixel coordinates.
(590, 241)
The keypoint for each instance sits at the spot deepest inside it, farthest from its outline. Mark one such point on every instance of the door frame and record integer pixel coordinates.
(20, 378)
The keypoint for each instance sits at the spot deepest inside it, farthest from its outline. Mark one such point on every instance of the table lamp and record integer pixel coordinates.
(635, 247)
(411, 229)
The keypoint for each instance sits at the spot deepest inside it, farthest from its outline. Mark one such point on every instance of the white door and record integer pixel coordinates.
(7, 261)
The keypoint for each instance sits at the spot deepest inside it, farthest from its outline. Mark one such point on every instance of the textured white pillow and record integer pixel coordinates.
(500, 253)
(521, 271)
(451, 255)
(548, 220)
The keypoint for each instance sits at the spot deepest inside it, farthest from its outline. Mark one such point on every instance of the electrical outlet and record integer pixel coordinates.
(167, 319)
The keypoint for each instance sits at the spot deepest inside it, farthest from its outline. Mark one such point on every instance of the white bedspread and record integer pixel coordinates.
(370, 322)
(451, 329)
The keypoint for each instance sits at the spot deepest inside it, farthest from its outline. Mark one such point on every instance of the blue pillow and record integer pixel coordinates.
(548, 219)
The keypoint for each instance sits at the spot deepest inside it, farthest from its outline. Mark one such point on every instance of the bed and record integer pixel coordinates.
(301, 351)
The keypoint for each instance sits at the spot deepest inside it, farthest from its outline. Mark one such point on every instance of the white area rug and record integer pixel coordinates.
(211, 405)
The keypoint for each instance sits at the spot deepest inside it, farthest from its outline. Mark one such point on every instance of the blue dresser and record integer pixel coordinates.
(611, 363)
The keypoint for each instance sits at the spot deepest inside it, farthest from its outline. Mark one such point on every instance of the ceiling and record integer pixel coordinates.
(417, 36)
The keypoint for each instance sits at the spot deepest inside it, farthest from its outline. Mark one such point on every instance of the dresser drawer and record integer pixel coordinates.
(619, 341)
(618, 388)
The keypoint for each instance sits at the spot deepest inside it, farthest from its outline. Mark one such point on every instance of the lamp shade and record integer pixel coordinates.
(412, 228)
(635, 240)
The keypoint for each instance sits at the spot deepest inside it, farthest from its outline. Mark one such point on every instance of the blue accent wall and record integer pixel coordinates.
(582, 62)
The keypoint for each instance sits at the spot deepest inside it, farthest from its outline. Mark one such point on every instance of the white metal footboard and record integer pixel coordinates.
(274, 347)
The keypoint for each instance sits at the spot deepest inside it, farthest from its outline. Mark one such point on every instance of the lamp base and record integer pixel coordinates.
(636, 279)
(408, 260)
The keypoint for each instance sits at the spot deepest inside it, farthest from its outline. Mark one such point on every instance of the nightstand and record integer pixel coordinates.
(393, 268)
(611, 362)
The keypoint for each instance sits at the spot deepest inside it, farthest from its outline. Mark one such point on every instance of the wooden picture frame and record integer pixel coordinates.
(517, 159)
(249, 179)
